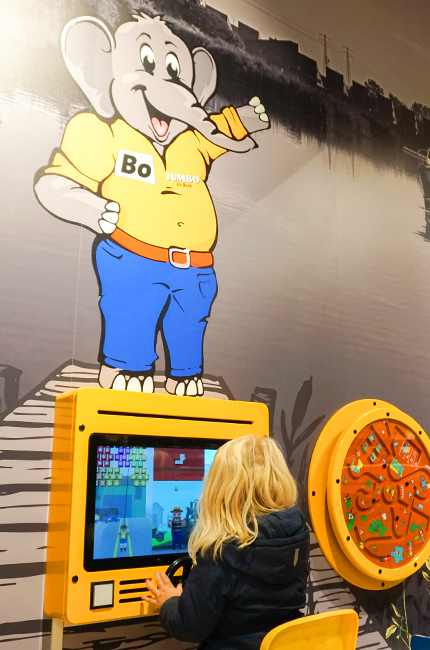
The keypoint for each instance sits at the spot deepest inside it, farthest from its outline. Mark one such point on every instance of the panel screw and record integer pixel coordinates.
(75, 579)
(348, 538)
(374, 403)
(420, 432)
(380, 571)
(338, 480)
(82, 427)
(415, 565)
(355, 430)
(388, 415)
(313, 493)
(382, 584)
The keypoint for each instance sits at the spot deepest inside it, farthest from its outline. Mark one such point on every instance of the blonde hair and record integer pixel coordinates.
(248, 478)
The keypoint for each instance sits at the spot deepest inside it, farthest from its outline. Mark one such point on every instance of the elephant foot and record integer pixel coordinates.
(119, 380)
(191, 387)
(135, 384)
(107, 375)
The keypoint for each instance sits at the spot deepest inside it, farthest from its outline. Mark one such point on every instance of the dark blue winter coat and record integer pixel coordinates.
(231, 604)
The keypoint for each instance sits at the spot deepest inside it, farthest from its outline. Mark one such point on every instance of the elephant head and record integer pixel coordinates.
(147, 76)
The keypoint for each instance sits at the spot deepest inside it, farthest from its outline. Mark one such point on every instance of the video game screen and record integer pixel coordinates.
(142, 497)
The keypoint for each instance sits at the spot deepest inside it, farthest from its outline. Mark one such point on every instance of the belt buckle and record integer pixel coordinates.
(179, 265)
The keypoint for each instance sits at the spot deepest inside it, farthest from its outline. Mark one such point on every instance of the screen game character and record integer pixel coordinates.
(176, 524)
(123, 535)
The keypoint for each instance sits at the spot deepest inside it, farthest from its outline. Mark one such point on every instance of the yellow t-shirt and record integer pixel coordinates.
(162, 202)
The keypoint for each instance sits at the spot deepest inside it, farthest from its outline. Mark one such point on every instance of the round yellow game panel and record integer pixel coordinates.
(368, 490)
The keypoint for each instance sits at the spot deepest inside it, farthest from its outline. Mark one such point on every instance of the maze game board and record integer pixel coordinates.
(385, 493)
(368, 490)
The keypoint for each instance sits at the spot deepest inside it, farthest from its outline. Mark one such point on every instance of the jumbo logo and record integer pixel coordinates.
(182, 178)
(139, 166)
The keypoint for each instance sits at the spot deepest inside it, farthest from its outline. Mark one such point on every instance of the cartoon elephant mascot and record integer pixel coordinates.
(135, 169)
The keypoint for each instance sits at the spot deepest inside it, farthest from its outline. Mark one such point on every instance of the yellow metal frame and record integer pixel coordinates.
(77, 416)
(324, 495)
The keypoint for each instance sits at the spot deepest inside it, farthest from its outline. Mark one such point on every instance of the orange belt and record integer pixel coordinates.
(181, 258)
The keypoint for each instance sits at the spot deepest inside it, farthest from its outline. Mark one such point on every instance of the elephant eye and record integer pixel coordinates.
(172, 65)
(148, 59)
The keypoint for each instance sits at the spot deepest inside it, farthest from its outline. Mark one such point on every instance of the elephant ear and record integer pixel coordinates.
(87, 47)
(205, 75)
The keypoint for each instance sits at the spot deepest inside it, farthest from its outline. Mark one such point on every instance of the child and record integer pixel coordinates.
(250, 549)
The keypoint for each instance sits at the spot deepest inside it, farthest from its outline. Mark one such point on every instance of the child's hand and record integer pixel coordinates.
(164, 591)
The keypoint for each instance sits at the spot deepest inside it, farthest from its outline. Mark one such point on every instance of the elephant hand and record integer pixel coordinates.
(253, 116)
(109, 218)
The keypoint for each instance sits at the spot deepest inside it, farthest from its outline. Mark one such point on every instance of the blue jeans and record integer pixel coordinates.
(140, 297)
(176, 539)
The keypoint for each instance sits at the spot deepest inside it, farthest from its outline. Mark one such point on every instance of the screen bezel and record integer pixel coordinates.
(125, 440)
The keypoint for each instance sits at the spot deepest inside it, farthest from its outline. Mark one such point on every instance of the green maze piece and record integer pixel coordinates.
(120, 477)
(110, 470)
(136, 483)
(142, 483)
(350, 523)
(109, 483)
(377, 527)
(132, 477)
(146, 477)
(133, 463)
(116, 483)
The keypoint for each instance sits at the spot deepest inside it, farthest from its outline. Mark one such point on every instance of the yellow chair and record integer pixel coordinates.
(330, 631)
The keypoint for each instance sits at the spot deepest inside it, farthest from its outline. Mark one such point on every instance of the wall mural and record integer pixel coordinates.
(137, 171)
(321, 235)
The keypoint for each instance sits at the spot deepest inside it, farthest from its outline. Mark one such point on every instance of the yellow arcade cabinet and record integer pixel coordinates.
(127, 471)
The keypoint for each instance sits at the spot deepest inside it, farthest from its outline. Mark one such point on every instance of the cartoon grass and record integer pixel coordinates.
(426, 576)
(400, 622)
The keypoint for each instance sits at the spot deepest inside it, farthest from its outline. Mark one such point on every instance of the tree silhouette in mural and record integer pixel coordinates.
(294, 438)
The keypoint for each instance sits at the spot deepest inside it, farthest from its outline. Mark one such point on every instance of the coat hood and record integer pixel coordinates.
(281, 547)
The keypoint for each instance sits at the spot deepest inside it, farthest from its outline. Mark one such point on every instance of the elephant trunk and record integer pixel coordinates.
(187, 109)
